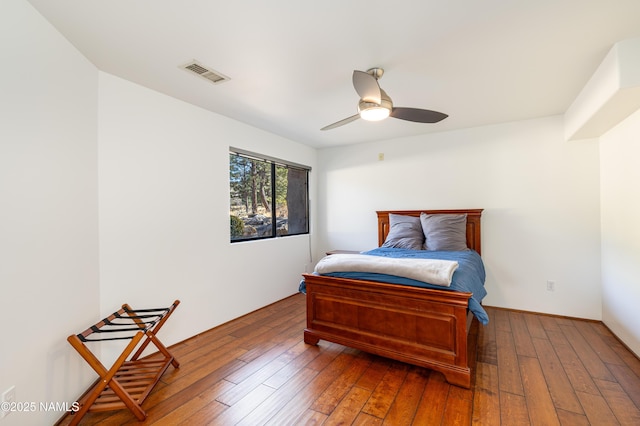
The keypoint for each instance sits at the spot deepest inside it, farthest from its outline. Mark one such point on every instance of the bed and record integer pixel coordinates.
(424, 326)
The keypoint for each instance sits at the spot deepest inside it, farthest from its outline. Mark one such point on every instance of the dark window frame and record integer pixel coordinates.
(274, 164)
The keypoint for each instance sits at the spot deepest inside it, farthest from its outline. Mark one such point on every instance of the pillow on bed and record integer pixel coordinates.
(446, 232)
(404, 232)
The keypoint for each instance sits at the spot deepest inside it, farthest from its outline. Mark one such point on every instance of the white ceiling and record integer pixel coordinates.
(290, 61)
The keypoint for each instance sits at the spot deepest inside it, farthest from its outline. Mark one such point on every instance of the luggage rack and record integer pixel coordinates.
(129, 380)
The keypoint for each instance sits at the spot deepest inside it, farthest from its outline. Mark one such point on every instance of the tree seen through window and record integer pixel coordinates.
(267, 199)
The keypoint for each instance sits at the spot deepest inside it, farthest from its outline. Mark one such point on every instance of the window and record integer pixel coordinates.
(269, 198)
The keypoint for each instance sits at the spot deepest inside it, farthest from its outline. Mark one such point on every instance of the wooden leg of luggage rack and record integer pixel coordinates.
(151, 338)
(106, 378)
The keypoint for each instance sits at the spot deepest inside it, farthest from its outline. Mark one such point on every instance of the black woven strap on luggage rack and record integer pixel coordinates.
(126, 321)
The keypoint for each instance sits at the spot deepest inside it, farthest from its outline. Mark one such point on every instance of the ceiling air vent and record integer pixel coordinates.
(205, 72)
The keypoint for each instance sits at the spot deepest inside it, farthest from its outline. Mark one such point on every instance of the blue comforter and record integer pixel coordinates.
(469, 277)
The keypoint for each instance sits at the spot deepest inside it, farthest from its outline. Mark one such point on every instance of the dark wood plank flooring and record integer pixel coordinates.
(529, 369)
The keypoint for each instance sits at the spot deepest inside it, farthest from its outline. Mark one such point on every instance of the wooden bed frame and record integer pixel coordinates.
(416, 325)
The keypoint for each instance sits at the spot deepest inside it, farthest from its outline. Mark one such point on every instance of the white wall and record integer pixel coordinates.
(540, 195)
(620, 186)
(48, 211)
(162, 169)
(164, 212)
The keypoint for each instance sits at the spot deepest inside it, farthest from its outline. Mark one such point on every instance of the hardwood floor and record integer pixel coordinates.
(529, 369)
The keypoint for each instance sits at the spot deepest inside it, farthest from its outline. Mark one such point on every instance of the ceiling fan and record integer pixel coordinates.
(376, 105)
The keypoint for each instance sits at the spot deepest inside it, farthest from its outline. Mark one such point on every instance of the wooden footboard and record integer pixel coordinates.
(419, 326)
(416, 325)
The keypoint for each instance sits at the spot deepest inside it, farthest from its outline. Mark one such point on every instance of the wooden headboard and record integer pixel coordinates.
(473, 224)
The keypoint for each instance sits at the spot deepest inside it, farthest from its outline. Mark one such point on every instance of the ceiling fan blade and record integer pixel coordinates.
(418, 115)
(341, 122)
(367, 86)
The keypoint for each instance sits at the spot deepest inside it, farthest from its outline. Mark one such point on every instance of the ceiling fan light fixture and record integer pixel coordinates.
(374, 113)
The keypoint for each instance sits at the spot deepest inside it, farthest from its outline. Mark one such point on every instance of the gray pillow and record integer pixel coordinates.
(404, 232)
(446, 232)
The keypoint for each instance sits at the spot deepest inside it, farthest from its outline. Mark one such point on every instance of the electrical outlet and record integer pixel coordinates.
(381, 156)
(551, 285)
(7, 398)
